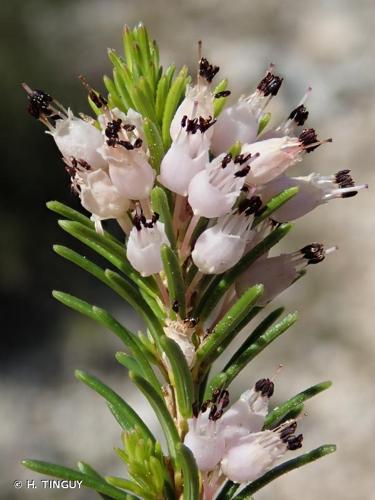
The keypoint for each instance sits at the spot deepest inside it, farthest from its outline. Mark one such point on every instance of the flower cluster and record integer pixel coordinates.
(232, 443)
(202, 193)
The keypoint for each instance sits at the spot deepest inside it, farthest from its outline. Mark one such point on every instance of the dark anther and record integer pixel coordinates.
(128, 127)
(308, 136)
(241, 158)
(205, 406)
(299, 115)
(175, 306)
(226, 160)
(138, 143)
(84, 164)
(250, 206)
(243, 172)
(191, 322)
(288, 431)
(113, 128)
(97, 99)
(213, 411)
(137, 222)
(224, 93)
(314, 253)
(270, 84)
(126, 144)
(183, 121)
(207, 70)
(205, 123)
(265, 386)
(350, 194)
(295, 442)
(224, 398)
(245, 189)
(39, 102)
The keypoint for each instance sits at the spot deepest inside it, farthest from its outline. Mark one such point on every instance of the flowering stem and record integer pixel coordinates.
(163, 290)
(185, 247)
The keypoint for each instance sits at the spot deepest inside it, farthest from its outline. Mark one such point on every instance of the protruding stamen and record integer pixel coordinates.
(207, 70)
(265, 386)
(270, 84)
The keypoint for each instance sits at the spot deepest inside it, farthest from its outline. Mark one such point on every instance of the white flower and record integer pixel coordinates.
(255, 453)
(181, 332)
(278, 273)
(187, 155)
(221, 246)
(100, 197)
(198, 101)
(129, 169)
(205, 441)
(233, 440)
(248, 413)
(144, 245)
(240, 122)
(277, 155)
(314, 190)
(214, 190)
(79, 139)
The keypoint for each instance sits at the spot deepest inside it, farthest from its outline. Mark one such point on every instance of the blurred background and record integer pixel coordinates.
(45, 413)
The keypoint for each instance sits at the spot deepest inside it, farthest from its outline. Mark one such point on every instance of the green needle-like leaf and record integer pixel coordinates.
(190, 472)
(259, 330)
(181, 379)
(113, 95)
(228, 490)
(176, 286)
(130, 419)
(89, 471)
(240, 361)
(69, 213)
(105, 319)
(111, 251)
(73, 475)
(206, 352)
(275, 203)
(161, 96)
(129, 362)
(280, 411)
(154, 142)
(219, 102)
(263, 122)
(222, 283)
(161, 411)
(136, 301)
(161, 206)
(283, 468)
(125, 484)
(174, 97)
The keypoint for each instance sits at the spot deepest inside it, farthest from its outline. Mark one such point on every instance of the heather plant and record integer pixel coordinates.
(200, 189)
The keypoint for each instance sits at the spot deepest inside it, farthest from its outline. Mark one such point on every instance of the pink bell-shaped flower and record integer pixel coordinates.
(240, 122)
(144, 245)
(314, 190)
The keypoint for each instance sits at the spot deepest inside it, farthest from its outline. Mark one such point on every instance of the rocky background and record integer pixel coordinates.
(44, 412)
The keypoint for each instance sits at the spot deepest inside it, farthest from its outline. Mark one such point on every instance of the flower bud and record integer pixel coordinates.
(79, 139)
(144, 246)
(221, 246)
